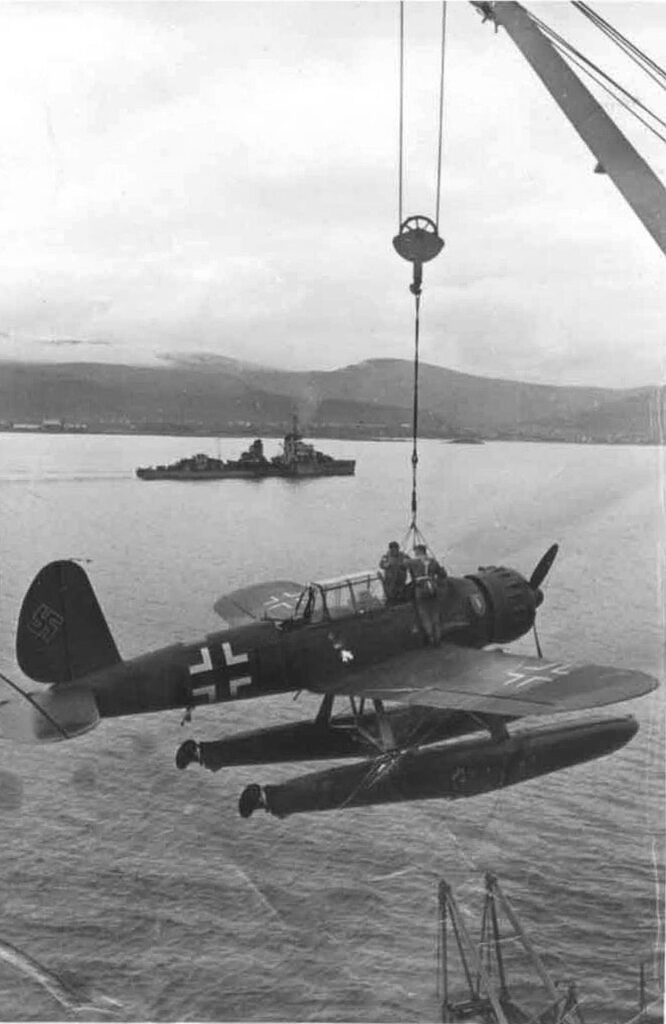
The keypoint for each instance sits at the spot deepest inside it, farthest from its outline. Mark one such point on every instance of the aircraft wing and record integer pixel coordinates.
(463, 679)
(274, 599)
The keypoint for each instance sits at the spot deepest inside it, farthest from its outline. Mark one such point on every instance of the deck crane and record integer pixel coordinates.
(418, 240)
(626, 168)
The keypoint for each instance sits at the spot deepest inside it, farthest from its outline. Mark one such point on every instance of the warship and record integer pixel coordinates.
(297, 459)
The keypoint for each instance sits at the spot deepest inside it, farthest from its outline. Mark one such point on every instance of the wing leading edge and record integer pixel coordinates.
(464, 679)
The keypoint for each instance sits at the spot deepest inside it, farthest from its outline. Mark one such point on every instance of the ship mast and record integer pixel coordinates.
(638, 184)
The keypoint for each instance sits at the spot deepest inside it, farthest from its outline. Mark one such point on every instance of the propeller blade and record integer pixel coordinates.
(543, 567)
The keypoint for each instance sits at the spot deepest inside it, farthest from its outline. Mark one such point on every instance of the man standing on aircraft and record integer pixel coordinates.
(429, 581)
(425, 567)
(394, 565)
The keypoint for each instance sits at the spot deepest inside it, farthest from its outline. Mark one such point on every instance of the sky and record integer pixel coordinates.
(184, 178)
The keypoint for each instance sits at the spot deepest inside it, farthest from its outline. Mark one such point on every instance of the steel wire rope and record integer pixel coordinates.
(415, 412)
(613, 95)
(30, 699)
(639, 57)
(498, 799)
(377, 768)
(384, 764)
(413, 530)
(586, 64)
(586, 60)
(440, 139)
(401, 115)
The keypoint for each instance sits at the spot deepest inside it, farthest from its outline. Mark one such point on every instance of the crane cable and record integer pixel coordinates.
(401, 115)
(440, 136)
(639, 57)
(36, 705)
(601, 77)
(418, 241)
(413, 528)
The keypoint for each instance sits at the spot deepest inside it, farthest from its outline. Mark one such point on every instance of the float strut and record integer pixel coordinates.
(325, 709)
(385, 731)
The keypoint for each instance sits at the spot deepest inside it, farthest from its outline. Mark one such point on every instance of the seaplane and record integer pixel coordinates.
(425, 719)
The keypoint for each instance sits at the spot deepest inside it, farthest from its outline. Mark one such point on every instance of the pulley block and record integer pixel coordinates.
(418, 242)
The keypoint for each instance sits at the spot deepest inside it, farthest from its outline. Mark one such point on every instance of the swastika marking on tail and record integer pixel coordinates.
(45, 623)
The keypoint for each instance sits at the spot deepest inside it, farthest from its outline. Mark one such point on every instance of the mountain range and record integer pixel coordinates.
(214, 394)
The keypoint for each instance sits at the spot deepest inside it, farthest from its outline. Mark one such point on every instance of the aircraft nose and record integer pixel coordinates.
(538, 597)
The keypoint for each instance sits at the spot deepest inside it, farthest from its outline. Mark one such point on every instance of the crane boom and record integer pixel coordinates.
(639, 185)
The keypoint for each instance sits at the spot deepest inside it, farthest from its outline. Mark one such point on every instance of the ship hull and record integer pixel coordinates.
(256, 473)
(341, 467)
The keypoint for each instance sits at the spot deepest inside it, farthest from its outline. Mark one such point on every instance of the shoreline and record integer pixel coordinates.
(276, 433)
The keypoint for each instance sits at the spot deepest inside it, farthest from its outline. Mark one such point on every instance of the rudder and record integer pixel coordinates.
(62, 633)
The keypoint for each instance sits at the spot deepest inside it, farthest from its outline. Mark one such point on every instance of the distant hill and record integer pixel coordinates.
(211, 394)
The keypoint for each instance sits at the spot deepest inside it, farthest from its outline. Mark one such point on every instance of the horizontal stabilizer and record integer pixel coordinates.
(62, 634)
(492, 682)
(48, 716)
(275, 599)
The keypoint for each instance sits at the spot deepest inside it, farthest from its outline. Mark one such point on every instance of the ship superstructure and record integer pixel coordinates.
(297, 459)
(301, 459)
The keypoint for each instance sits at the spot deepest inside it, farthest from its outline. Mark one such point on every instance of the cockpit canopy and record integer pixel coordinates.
(285, 601)
(341, 597)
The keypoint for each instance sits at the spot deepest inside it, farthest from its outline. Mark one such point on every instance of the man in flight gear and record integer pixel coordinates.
(394, 565)
(429, 591)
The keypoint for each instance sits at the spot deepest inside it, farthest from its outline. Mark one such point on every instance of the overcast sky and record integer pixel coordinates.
(222, 177)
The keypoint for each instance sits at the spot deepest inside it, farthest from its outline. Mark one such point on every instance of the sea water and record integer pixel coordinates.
(133, 882)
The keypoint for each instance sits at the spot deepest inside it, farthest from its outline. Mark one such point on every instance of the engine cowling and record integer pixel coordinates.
(510, 603)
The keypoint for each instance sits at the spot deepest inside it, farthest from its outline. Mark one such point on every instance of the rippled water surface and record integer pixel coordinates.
(134, 882)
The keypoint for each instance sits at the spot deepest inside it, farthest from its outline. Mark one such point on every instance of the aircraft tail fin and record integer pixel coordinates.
(62, 633)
